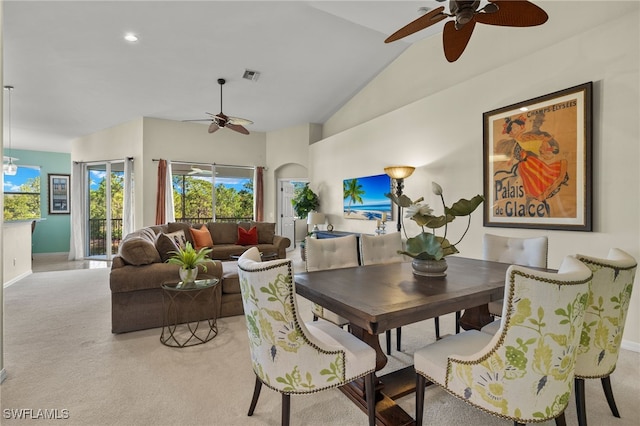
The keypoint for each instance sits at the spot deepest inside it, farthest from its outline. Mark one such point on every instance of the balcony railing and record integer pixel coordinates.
(98, 232)
(98, 236)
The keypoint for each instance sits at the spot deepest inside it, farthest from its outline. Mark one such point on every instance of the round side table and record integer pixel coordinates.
(179, 300)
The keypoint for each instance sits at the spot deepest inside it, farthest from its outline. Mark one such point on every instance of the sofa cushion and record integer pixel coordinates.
(266, 230)
(165, 245)
(201, 237)
(181, 226)
(230, 280)
(247, 238)
(179, 238)
(223, 232)
(138, 251)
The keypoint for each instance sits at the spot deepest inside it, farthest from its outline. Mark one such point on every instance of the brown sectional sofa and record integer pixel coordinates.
(139, 270)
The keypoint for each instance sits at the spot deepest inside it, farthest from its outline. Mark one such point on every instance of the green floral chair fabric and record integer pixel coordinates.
(525, 371)
(604, 322)
(287, 355)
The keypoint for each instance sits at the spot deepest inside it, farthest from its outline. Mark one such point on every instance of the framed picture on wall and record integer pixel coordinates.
(537, 162)
(364, 198)
(59, 194)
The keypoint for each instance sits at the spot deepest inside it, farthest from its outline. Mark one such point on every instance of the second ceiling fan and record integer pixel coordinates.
(457, 32)
(222, 120)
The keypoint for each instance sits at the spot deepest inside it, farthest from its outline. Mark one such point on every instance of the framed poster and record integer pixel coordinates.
(537, 162)
(364, 198)
(59, 194)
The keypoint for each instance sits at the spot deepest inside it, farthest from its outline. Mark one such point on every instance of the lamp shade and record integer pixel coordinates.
(399, 172)
(315, 218)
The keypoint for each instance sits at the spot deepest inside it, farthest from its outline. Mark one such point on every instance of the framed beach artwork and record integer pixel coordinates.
(537, 162)
(364, 198)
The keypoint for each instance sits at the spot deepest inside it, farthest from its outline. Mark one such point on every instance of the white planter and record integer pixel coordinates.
(188, 275)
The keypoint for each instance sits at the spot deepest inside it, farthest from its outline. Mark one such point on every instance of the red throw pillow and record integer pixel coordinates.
(201, 237)
(247, 238)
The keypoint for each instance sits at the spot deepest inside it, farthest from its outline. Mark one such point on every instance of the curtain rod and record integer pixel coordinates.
(104, 161)
(213, 164)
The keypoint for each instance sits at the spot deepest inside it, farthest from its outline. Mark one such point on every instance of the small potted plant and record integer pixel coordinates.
(428, 249)
(188, 259)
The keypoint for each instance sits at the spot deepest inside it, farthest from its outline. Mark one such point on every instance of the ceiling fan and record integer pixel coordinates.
(457, 32)
(198, 171)
(222, 120)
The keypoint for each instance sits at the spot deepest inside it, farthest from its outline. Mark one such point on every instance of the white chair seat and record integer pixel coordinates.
(492, 328)
(431, 361)
(495, 307)
(358, 355)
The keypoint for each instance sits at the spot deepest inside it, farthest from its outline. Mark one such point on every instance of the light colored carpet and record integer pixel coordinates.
(60, 354)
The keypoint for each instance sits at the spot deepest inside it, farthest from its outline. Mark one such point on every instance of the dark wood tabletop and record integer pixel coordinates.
(377, 298)
(382, 297)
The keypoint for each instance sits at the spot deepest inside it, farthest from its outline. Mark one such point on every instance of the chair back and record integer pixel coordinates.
(331, 253)
(526, 371)
(519, 251)
(284, 355)
(606, 313)
(380, 249)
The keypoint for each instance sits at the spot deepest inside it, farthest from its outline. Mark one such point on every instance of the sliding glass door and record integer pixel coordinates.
(105, 195)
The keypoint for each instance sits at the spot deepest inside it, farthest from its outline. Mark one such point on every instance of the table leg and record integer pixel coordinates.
(476, 318)
(388, 413)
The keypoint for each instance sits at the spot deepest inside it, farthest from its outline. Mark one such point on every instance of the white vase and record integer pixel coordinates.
(430, 268)
(188, 275)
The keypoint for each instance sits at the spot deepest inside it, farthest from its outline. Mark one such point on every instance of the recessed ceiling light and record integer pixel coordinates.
(131, 37)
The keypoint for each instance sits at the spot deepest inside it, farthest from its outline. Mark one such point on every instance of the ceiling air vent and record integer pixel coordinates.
(251, 75)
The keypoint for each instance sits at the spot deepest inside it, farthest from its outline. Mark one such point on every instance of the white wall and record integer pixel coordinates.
(441, 134)
(287, 157)
(190, 142)
(146, 139)
(114, 143)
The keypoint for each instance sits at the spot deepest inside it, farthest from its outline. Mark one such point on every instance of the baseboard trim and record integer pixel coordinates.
(630, 346)
(18, 278)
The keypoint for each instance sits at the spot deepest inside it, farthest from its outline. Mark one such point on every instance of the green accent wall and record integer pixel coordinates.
(52, 234)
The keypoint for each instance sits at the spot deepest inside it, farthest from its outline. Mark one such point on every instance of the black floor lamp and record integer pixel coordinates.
(399, 174)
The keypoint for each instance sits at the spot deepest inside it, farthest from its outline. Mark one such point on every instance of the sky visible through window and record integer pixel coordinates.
(13, 183)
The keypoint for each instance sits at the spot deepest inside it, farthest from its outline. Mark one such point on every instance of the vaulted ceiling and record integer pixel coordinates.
(74, 73)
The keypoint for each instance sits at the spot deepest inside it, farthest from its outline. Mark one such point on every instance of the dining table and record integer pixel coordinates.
(377, 298)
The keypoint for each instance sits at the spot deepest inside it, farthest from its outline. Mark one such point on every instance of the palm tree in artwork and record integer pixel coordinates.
(353, 191)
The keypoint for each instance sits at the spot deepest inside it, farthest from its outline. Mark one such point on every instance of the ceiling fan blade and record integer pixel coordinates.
(199, 119)
(213, 127)
(514, 13)
(238, 128)
(421, 23)
(239, 121)
(455, 41)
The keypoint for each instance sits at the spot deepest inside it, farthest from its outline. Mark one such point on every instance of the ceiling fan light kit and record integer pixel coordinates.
(457, 32)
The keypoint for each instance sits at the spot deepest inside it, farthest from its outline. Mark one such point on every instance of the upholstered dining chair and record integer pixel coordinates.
(376, 249)
(287, 355)
(604, 323)
(330, 253)
(525, 371)
(531, 252)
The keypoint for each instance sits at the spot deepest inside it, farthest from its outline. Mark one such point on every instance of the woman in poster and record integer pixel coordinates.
(533, 153)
